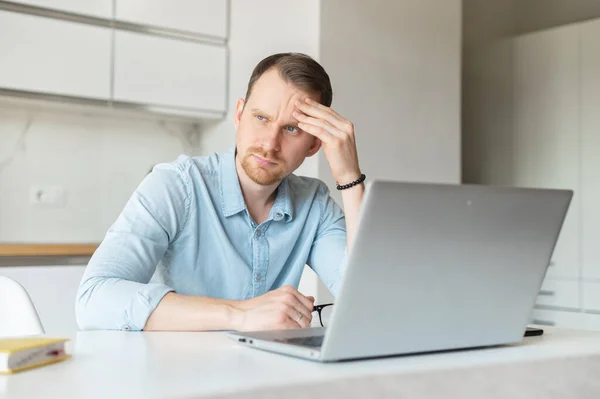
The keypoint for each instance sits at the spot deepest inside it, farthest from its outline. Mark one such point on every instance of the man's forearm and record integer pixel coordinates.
(177, 312)
(352, 198)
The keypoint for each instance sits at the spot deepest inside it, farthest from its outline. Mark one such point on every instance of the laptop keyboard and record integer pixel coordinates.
(313, 342)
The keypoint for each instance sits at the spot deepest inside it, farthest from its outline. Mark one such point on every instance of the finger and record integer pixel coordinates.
(317, 104)
(320, 114)
(312, 299)
(299, 322)
(309, 302)
(320, 111)
(300, 308)
(318, 132)
(286, 321)
(305, 301)
(312, 103)
(303, 118)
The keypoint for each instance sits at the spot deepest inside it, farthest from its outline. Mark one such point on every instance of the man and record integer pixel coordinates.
(231, 233)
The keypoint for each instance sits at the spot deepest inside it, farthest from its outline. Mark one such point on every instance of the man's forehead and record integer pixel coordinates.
(273, 102)
(271, 86)
(274, 106)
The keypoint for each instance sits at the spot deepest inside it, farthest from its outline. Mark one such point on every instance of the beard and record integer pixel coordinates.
(264, 175)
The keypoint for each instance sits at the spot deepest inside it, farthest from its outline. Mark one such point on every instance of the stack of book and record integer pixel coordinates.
(17, 354)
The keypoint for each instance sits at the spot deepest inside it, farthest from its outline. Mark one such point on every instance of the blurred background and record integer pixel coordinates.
(94, 93)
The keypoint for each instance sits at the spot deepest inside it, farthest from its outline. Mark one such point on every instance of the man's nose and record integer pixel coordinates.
(272, 138)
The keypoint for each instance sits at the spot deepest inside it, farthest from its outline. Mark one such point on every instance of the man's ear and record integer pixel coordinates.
(314, 148)
(239, 107)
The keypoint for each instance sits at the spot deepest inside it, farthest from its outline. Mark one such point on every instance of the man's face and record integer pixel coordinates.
(270, 146)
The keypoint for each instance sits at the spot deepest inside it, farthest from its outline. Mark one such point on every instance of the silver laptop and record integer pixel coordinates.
(434, 267)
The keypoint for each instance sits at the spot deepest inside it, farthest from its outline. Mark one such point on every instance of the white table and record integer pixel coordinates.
(167, 364)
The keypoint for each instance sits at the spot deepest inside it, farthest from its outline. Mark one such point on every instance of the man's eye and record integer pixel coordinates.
(291, 129)
(260, 118)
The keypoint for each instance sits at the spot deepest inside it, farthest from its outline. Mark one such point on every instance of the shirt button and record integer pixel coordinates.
(257, 233)
(258, 277)
(126, 328)
(278, 216)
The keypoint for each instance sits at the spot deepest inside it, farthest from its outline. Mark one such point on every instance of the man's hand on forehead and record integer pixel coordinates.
(336, 134)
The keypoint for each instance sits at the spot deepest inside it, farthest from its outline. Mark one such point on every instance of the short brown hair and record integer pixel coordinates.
(299, 69)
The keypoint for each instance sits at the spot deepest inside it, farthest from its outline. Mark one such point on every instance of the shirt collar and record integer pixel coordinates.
(232, 200)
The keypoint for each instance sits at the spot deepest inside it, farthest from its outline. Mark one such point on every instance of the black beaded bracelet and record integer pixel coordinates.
(354, 183)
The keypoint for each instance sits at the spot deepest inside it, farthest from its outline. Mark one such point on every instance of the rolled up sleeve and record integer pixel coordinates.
(115, 292)
(328, 254)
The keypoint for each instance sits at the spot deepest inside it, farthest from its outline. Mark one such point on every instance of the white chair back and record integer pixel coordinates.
(18, 316)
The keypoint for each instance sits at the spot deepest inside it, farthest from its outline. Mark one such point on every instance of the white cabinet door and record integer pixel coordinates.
(557, 318)
(53, 290)
(590, 147)
(167, 72)
(95, 8)
(52, 56)
(546, 128)
(563, 319)
(560, 294)
(208, 17)
(591, 296)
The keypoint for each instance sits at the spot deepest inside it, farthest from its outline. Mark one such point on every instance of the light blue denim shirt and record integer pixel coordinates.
(186, 229)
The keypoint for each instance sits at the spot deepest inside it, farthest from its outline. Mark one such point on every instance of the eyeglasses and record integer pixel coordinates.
(325, 312)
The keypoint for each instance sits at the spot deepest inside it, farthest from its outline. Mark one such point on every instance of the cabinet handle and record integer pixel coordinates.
(546, 293)
(543, 322)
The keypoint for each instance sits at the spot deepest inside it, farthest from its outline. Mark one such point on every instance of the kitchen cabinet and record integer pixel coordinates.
(556, 318)
(546, 151)
(591, 296)
(205, 17)
(555, 143)
(94, 8)
(559, 293)
(590, 148)
(167, 72)
(54, 57)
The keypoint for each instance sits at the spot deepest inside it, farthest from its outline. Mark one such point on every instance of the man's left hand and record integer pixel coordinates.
(336, 135)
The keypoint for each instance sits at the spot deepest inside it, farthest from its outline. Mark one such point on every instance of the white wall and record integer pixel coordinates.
(487, 90)
(97, 160)
(395, 68)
